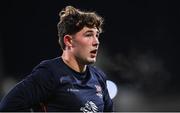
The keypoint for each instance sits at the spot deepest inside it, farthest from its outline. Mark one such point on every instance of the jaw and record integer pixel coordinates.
(86, 57)
(87, 60)
(91, 60)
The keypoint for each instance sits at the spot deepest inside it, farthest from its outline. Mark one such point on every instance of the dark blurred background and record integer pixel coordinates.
(139, 47)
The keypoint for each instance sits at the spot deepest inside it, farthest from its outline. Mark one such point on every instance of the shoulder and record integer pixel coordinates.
(49, 63)
(55, 66)
(44, 72)
(99, 73)
(46, 68)
(97, 70)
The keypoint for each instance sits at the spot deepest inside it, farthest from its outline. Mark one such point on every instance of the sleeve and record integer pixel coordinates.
(33, 90)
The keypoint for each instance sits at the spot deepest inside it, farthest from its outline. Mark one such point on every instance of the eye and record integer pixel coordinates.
(97, 35)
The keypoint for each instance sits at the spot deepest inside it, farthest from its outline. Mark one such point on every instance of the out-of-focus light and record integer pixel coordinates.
(112, 88)
(8, 84)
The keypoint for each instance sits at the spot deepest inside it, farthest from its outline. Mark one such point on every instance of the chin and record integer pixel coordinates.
(92, 60)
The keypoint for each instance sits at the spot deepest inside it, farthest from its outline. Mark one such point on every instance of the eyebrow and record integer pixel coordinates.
(91, 31)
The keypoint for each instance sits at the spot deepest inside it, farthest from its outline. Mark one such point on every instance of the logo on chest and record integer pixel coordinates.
(72, 90)
(98, 91)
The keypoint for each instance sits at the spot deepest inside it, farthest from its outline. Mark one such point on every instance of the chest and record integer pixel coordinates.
(79, 95)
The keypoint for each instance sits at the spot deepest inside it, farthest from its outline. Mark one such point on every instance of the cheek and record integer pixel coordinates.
(83, 48)
(84, 44)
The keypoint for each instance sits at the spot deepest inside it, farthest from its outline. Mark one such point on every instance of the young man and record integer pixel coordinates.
(66, 83)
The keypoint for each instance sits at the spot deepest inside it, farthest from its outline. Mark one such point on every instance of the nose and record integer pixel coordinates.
(96, 41)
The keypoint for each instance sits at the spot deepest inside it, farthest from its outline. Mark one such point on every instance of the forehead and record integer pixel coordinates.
(87, 30)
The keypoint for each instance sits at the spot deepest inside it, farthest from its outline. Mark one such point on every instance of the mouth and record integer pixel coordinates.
(94, 53)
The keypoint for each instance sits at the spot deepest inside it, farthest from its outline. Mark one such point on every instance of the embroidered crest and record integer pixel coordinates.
(98, 88)
(98, 91)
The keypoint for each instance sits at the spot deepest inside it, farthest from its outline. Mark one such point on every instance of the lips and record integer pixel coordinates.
(94, 51)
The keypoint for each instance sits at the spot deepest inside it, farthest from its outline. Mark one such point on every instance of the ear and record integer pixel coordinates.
(68, 40)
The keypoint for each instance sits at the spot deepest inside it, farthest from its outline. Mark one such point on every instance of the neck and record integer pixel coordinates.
(73, 63)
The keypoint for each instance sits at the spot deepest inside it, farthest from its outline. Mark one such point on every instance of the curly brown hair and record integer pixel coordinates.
(72, 20)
